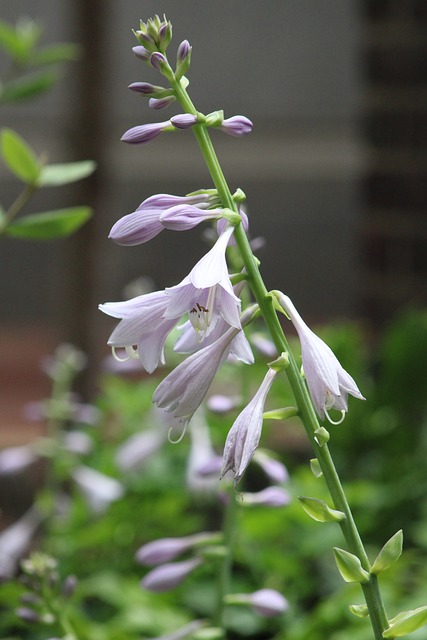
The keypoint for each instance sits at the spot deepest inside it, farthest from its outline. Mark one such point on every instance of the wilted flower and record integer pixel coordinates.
(243, 437)
(328, 383)
(170, 575)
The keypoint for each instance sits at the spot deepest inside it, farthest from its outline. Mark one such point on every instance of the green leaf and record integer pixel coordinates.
(10, 40)
(19, 156)
(280, 414)
(57, 53)
(319, 510)
(359, 610)
(50, 224)
(406, 622)
(53, 175)
(28, 86)
(391, 551)
(350, 566)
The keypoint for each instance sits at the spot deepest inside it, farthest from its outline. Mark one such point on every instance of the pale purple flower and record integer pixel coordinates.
(264, 345)
(132, 454)
(16, 459)
(184, 217)
(144, 133)
(328, 382)
(236, 126)
(201, 454)
(15, 541)
(146, 88)
(243, 437)
(222, 404)
(144, 223)
(170, 575)
(184, 120)
(274, 469)
(268, 602)
(166, 549)
(268, 497)
(158, 60)
(207, 293)
(184, 389)
(77, 442)
(142, 329)
(184, 50)
(98, 489)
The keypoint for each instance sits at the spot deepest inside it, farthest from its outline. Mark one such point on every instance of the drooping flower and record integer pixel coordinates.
(166, 549)
(243, 437)
(170, 575)
(328, 382)
(145, 223)
(142, 329)
(183, 390)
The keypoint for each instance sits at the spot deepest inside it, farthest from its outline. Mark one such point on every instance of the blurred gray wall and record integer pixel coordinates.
(292, 66)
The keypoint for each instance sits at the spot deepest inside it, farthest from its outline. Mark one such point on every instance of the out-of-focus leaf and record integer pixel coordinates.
(19, 156)
(10, 40)
(54, 175)
(55, 54)
(28, 86)
(406, 622)
(49, 224)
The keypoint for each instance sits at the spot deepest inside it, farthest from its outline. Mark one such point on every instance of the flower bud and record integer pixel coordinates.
(168, 576)
(158, 60)
(268, 602)
(27, 614)
(160, 103)
(146, 88)
(144, 133)
(183, 59)
(184, 120)
(236, 126)
(269, 497)
(142, 53)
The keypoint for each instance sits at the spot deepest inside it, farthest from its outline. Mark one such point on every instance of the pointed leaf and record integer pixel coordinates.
(10, 40)
(27, 86)
(359, 610)
(319, 510)
(322, 436)
(19, 156)
(280, 414)
(50, 224)
(350, 566)
(315, 468)
(391, 551)
(54, 54)
(53, 175)
(406, 622)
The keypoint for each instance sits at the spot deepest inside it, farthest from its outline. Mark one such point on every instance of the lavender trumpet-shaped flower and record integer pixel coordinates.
(328, 382)
(243, 437)
(166, 549)
(170, 575)
(151, 217)
(184, 389)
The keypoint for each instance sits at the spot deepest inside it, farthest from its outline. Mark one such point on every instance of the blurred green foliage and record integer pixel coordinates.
(380, 452)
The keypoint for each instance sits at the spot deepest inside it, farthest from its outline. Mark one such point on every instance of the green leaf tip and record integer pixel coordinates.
(55, 175)
(319, 510)
(49, 224)
(19, 156)
(389, 554)
(349, 566)
(406, 622)
(359, 610)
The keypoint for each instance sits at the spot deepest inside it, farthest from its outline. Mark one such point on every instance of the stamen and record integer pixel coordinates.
(335, 422)
(180, 437)
(118, 358)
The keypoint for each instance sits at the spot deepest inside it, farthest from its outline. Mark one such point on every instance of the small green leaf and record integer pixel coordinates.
(19, 156)
(315, 468)
(359, 610)
(54, 175)
(319, 510)
(27, 86)
(350, 566)
(54, 54)
(389, 554)
(406, 622)
(322, 436)
(10, 40)
(50, 224)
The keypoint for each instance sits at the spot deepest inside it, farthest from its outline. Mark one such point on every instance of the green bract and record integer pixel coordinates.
(406, 622)
(391, 551)
(350, 566)
(319, 510)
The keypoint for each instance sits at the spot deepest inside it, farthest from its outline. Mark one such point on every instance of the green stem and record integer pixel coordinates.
(306, 410)
(17, 205)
